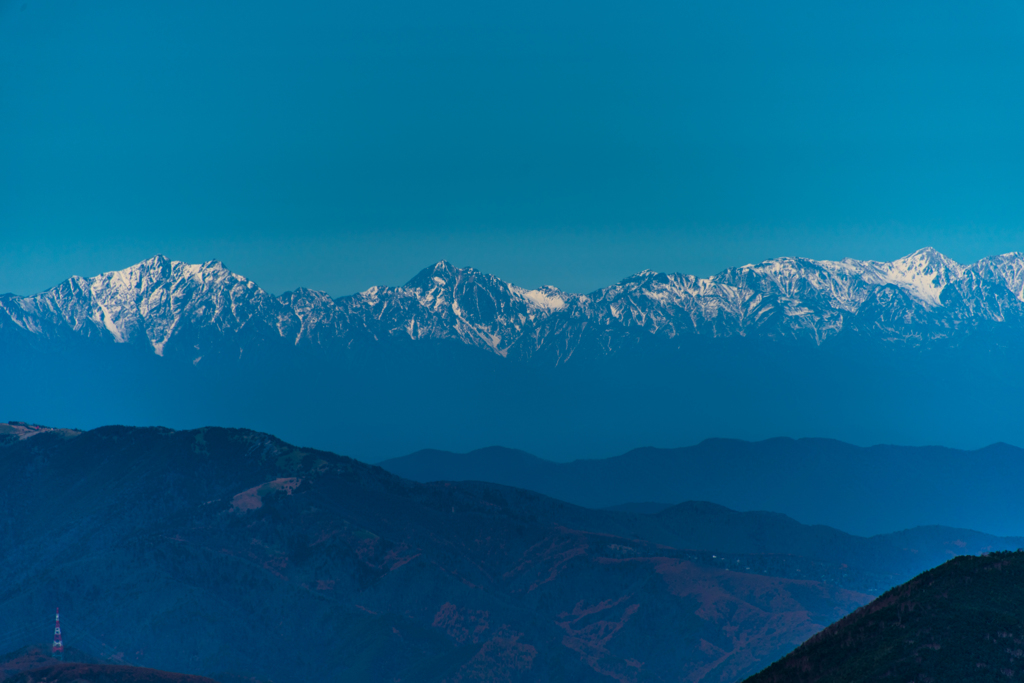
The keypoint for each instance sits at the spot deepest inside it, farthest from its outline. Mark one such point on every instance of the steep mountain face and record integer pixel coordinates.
(959, 622)
(201, 309)
(444, 302)
(154, 303)
(817, 481)
(920, 350)
(219, 550)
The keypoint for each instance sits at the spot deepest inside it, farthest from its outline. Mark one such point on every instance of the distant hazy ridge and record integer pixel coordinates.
(817, 481)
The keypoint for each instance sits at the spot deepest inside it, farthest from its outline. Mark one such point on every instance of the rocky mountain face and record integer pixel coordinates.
(198, 310)
(919, 350)
(959, 622)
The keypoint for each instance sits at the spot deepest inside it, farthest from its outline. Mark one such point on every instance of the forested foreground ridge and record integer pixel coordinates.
(962, 622)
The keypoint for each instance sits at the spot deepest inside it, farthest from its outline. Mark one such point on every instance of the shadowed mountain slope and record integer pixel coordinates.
(225, 550)
(820, 481)
(220, 550)
(962, 622)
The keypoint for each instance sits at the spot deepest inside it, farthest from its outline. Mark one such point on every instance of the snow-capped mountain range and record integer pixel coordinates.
(186, 310)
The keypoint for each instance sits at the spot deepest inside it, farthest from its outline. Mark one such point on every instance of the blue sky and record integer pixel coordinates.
(339, 145)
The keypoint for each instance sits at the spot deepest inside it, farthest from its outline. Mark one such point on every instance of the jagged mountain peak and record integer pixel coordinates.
(926, 254)
(160, 271)
(640, 279)
(457, 282)
(928, 260)
(148, 302)
(158, 301)
(1010, 256)
(154, 260)
(477, 308)
(644, 274)
(1007, 269)
(441, 273)
(176, 279)
(924, 274)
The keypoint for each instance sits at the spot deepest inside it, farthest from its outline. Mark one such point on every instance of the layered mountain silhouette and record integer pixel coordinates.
(218, 550)
(863, 490)
(918, 350)
(958, 623)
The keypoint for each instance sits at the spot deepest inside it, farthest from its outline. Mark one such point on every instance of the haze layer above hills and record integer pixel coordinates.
(817, 481)
(920, 350)
(220, 550)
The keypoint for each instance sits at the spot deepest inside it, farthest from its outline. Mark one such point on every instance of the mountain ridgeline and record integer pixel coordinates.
(921, 349)
(817, 481)
(231, 554)
(194, 311)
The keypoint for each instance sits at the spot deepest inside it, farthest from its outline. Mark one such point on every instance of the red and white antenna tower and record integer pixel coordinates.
(58, 644)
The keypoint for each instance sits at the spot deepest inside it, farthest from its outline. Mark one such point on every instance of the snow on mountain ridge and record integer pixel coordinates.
(1007, 269)
(924, 274)
(148, 301)
(443, 301)
(194, 307)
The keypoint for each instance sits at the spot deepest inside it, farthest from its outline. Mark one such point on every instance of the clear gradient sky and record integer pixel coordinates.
(337, 145)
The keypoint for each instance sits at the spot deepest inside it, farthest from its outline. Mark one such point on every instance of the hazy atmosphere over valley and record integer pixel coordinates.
(446, 342)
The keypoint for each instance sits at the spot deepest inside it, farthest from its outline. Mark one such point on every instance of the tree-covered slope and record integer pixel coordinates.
(962, 622)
